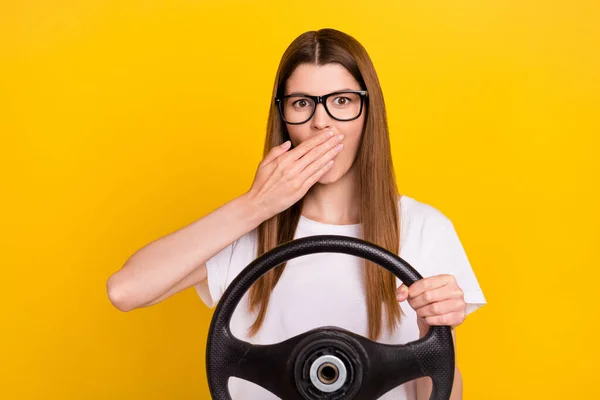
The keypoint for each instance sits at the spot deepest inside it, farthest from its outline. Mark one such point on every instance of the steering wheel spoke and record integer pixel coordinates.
(268, 366)
(393, 365)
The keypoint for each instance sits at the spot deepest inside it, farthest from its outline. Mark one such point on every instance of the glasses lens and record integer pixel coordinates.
(343, 106)
(297, 109)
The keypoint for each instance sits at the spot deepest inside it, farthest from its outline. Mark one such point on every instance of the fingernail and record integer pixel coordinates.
(340, 137)
(330, 133)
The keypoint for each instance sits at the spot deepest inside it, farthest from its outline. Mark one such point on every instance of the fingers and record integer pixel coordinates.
(435, 295)
(322, 153)
(441, 308)
(450, 319)
(300, 152)
(315, 161)
(430, 283)
(314, 178)
(307, 145)
(401, 292)
(275, 152)
(437, 300)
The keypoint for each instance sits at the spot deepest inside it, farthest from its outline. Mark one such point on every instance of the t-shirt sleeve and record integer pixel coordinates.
(447, 256)
(224, 266)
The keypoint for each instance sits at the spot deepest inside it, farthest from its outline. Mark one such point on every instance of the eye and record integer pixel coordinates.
(301, 103)
(342, 101)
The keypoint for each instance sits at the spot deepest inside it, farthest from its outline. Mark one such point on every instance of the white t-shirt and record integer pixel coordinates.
(326, 289)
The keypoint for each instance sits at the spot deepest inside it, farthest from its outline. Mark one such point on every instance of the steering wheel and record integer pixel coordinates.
(328, 362)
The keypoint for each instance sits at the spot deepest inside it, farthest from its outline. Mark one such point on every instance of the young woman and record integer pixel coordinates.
(327, 169)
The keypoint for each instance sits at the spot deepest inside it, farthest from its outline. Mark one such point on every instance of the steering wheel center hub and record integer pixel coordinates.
(328, 366)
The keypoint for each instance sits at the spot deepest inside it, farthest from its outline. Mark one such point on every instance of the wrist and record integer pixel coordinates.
(254, 211)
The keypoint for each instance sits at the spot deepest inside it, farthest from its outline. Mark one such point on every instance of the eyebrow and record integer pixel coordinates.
(306, 94)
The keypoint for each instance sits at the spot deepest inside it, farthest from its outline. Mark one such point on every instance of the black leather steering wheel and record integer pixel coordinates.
(328, 362)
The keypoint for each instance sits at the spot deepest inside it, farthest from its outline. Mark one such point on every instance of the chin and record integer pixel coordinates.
(330, 176)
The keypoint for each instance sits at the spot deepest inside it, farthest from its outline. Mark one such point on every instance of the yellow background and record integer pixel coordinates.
(122, 121)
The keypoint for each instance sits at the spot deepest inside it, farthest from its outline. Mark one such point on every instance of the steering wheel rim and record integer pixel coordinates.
(227, 356)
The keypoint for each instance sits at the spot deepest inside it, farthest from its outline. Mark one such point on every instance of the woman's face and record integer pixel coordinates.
(318, 80)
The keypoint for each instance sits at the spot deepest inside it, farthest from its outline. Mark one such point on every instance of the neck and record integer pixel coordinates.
(336, 203)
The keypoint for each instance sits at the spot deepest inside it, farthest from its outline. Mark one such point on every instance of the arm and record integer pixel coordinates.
(424, 384)
(176, 261)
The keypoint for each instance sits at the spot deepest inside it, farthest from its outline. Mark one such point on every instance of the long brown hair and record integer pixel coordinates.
(378, 202)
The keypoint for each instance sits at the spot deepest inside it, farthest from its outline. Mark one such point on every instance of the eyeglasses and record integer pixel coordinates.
(344, 105)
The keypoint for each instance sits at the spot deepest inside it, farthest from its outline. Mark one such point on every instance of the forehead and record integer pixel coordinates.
(320, 79)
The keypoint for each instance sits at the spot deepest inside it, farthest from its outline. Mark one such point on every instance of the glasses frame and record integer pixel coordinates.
(321, 99)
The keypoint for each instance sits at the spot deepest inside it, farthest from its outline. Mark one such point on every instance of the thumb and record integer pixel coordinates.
(402, 292)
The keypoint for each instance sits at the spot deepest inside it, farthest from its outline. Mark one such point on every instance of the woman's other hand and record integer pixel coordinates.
(437, 300)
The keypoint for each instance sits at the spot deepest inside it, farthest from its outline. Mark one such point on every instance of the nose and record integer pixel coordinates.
(321, 120)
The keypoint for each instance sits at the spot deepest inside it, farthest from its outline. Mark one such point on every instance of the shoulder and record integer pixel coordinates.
(423, 228)
(418, 216)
